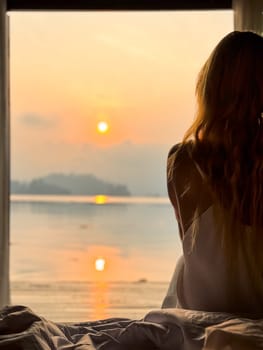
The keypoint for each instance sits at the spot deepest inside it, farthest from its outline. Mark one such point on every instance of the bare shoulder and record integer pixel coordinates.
(180, 153)
(174, 149)
(179, 165)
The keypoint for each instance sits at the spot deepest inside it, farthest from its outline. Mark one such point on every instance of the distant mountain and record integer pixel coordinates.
(36, 186)
(66, 184)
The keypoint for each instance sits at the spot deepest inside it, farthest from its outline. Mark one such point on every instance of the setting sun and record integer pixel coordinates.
(100, 264)
(102, 127)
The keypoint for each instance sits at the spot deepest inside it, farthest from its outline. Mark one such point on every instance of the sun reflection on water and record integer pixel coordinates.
(100, 199)
(101, 304)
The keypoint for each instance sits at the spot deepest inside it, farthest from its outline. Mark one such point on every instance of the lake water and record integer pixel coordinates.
(56, 240)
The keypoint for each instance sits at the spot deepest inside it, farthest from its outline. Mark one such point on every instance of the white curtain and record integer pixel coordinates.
(248, 15)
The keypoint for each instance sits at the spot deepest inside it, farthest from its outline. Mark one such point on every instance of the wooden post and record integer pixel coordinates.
(4, 156)
(248, 15)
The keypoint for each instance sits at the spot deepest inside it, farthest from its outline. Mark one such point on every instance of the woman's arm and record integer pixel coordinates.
(171, 186)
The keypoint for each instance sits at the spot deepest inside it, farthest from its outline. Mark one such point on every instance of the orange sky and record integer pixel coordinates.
(135, 70)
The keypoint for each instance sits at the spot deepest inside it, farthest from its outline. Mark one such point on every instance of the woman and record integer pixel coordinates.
(215, 184)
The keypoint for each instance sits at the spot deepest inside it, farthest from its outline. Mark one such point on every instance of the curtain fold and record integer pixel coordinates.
(248, 15)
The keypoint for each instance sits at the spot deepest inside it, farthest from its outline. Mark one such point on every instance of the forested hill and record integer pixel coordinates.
(69, 184)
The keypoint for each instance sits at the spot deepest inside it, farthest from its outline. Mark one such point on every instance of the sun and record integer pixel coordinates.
(100, 264)
(102, 127)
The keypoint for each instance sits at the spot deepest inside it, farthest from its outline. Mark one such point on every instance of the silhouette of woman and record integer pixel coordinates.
(215, 184)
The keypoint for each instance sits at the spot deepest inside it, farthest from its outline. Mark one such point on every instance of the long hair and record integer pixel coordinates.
(228, 145)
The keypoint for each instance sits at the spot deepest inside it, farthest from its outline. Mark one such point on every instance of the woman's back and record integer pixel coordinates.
(215, 182)
(203, 280)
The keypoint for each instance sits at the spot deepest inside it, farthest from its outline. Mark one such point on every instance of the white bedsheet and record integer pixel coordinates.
(167, 329)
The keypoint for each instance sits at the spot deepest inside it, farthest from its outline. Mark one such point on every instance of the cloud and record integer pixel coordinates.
(38, 121)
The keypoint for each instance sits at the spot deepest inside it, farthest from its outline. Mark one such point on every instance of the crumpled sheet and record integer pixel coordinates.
(167, 329)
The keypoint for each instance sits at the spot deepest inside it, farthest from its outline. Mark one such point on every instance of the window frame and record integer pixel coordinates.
(148, 5)
(243, 20)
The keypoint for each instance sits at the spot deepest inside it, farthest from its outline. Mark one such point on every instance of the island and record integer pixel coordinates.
(69, 184)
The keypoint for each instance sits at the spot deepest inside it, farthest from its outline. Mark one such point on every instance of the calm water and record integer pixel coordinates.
(84, 301)
(55, 242)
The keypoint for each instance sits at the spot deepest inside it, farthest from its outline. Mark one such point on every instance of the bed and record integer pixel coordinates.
(165, 329)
